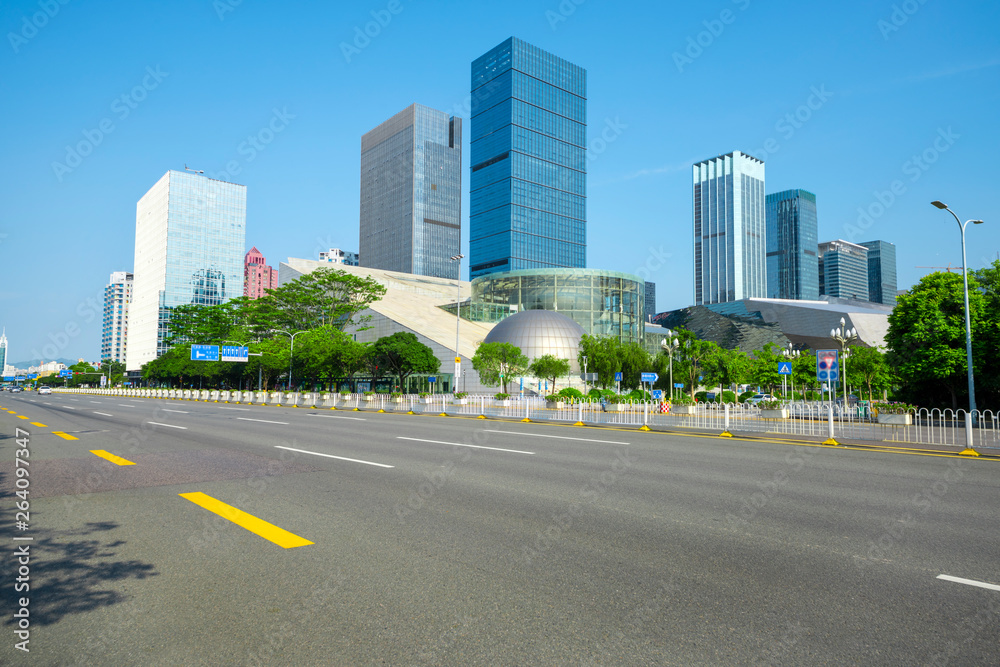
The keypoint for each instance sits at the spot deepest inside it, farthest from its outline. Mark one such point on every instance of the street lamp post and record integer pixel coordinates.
(968, 326)
(669, 347)
(845, 337)
(587, 391)
(792, 355)
(291, 351)
(458, 312)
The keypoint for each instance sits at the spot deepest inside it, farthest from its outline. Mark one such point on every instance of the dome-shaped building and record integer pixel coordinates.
(540, 332)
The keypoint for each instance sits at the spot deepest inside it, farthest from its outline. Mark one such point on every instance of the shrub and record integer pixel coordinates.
(594, 393)
(461, 394)
(369, 393)
(701, 396)
(501, 396)
(424, 394)
(638, 395)
(554, 398)
(569, 392)
(682, 399)
(770, 405)
(345, 395)
(747, 394)
(892, 408)
(728, 397)
(396, 394)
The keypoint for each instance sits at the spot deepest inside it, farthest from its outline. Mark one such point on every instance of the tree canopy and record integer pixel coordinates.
(497, 363)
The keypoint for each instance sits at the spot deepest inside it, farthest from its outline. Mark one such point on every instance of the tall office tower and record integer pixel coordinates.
(843, 270)
(3, 351)
(528, 194)
(411, 193)
(792, 269)
(649, 303)
(881, 272)
(114, 332)
(190, 235)
(338, 256)
(257, 275)
(729, 229)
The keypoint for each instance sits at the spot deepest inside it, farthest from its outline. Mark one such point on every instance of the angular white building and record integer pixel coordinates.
(190, 237)
(729, 229)
(114, 328)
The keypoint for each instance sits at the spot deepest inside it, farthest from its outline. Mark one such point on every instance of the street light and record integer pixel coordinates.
(968, 327)
(458, 313)
(291, 351)
(587, 391)
(845, 337)
(669, 348)
(792, 354)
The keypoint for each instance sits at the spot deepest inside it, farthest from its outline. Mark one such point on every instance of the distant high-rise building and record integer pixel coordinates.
(649, 304)
(792, 228)
(527, 197)
(114, 332)
(411, 193)
(3, 350)
(258, 277)
(190, 235)
(338, 256)
(729, 229)
(881, 272)
(843, 270)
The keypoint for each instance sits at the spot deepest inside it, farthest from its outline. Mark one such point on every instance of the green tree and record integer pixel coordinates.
(115, 370)
(694, 355)
(764, 367)
(497, 363)
(867, 367)
(549, 367)
(402, 354)
(986, 344)
(602, 353)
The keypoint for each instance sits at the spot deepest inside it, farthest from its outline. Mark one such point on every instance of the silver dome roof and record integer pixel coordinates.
(540, 332)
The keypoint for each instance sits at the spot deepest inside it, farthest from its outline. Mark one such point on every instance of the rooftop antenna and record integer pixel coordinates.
(197, 171)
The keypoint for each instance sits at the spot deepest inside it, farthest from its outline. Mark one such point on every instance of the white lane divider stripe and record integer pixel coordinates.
(462, 444)
(340, 458)
(969, 582)
(183, 428)
(103, 414)
(560, 437)
(357, 419)
(265, 421)
(183, 412)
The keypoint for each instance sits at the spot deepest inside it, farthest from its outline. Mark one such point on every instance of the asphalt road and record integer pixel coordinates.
(458, 541)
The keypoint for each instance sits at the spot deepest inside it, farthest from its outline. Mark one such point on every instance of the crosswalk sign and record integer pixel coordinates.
(784, 368)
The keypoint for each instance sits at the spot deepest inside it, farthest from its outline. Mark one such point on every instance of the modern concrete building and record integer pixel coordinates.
(338, 256)
(792, 229)
(881, 272)
(190, 235)
(729, 229)
(527, 198)
(843, 270)
(258, 277)
(411, 193)
(114, 329)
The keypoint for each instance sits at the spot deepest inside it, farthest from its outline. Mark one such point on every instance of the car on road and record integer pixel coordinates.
(45, 390)
(14, 390)
(757, 398)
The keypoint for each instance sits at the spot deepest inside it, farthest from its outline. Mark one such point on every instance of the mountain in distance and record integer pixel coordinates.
(36, 362)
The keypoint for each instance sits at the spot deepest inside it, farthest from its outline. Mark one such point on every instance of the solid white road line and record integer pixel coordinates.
(357, 419)
(183, 428)
(98, 402)
(331, 456)
(462, 444)
(266, 421)
(122, 405)
(69, 407)
(104, 414)
(241, 409)
(560, 437)
(969, 582)
(183, 412)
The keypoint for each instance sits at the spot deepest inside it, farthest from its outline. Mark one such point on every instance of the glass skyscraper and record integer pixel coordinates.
(411, 193)
(527, 198)
(729, 229)
(843, 270)
(792, 269)
(881, 272)
(190, 233)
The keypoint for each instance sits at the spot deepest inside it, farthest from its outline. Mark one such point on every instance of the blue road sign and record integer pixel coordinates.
(20, 378)
(784, 368)
(234, 353)
(648, 377)
(32, 376)
(204, 353)
(432, 379)
(618, 376)
(8, 378)
(827, 366)
(678, 385)
(65, 374)
(657, 394)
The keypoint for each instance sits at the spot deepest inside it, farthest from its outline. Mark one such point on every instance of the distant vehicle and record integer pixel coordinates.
(45, 390)
(757, 398)
(15, 389)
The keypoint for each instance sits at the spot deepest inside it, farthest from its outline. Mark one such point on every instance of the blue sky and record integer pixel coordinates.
(849, 100)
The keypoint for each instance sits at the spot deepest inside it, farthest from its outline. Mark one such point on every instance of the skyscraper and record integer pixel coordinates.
(729, 229)
(881, 272)
(114, 331)
(649, 303)
(190, 233)
(411, 193)
(527, 197)
(258, 277)
(792, 269)
(3, 351)
(843, 270)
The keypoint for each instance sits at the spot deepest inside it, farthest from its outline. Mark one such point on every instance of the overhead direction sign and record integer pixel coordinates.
(204, 353)
(784, 368)
(233, 353)
(827, 366)
(648, 377)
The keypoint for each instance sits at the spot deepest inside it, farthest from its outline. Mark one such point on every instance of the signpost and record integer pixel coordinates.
(648, 377)
(204, 353)
(657, 394)
(784, 370)
(827, 367)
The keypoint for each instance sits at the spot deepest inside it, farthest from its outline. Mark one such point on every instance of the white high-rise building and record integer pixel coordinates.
(3, 351)
(338, 256)
(190, 237)
(114, 330)
(729, 229)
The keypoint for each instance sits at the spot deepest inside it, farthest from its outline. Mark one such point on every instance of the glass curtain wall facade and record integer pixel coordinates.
(649, 302)
(114, 332)
(729, 229)
(527, 198)
(411, 193)
(792, 229)
(190, 235)
(604, 303)
(881, 272)
(843, 270)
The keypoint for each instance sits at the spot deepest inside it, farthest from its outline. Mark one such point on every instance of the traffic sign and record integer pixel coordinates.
(458, 360)
(827, 366)
(32, 376)
(204, 353)
(657, 394)
(588, 377)
(648, 377)
(678, 385)
(65, 373)
(618, 376)
(20, 378)
(234, 353)
(432, 379)
(784, 368)
(8, 378)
